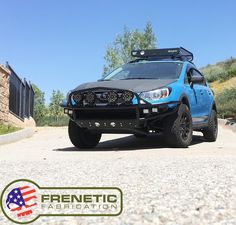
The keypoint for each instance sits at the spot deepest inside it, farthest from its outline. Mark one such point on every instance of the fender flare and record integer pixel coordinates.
(184, 99)
(213, 106)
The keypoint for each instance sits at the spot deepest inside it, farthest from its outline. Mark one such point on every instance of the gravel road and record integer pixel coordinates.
(160, 185)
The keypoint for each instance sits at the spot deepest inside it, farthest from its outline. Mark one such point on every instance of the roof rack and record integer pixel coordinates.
(164, 53)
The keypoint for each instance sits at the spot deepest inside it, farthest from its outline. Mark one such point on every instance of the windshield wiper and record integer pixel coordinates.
(138, 78)
(131, 78)
(104, 80)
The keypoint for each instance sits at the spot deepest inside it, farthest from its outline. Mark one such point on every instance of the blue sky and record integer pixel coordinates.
(60, 44)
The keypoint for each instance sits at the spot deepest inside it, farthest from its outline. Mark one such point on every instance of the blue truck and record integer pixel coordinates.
(159, 92)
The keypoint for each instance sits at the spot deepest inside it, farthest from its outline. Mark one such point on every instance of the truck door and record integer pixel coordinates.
(191, 93)
(202, 98)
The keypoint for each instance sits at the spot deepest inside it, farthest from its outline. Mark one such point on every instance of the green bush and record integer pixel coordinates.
(5, 129)
(226, 103)
(212, 72)
(221, 71)
(226, 75)
(53, 121)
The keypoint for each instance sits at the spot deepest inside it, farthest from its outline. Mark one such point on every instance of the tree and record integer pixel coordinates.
(54, 106)
(120, 51)
(39, 104)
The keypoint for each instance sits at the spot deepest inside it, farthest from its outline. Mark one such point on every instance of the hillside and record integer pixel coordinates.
(222, 79)
(220, 71)
(219, 86)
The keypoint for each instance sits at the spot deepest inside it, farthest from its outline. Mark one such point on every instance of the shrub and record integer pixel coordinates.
(53, 121)
(226, 103)
(231, 72)
(212, 73)
(221, 71)
(5, 129)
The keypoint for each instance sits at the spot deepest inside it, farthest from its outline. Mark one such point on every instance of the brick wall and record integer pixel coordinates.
(4, 94)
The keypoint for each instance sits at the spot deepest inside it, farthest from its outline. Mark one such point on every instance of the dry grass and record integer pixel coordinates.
(218, 87)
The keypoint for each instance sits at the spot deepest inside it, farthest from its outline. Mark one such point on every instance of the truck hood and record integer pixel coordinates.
(135, 85)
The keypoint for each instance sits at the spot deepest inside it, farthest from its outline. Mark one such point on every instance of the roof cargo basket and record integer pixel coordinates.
(164, 53)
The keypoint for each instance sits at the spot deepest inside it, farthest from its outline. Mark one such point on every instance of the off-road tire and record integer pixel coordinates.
(210, 133)
(81, 137)
(178, 128)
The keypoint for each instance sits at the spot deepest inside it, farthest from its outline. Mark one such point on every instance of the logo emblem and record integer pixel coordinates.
(113, 124)
(23, 201)
(97, 124)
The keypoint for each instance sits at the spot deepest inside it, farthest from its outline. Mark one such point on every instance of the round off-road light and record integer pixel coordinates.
(77, 97)
(142, 52)
(127, 96)
(112, 97)
(90, 97)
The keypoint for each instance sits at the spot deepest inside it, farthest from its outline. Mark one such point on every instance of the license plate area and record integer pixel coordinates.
(106, 114)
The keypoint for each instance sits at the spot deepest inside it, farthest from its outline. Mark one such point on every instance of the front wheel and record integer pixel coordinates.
(210, 133)
(178, 128)
(82, 137)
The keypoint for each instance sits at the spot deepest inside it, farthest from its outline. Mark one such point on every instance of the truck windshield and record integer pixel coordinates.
(146, 70)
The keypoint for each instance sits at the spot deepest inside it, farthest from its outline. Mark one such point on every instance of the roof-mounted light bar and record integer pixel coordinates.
(164, 53)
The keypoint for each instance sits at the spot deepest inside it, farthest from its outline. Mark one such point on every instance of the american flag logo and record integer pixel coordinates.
(20, 200)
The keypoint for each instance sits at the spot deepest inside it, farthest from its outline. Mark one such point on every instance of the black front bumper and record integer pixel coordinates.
(125, 119)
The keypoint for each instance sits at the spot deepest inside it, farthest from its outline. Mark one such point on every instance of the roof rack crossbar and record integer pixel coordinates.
(164, 53)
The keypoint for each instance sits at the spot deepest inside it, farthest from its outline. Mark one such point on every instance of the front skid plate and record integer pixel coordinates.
(108, 124)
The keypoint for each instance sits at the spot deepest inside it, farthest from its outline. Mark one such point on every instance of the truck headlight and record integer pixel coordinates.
(155, 94)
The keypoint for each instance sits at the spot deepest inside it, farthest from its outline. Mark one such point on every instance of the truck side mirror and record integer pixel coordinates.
(196, 80)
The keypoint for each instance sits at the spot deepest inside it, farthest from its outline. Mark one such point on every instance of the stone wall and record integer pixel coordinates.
(4, 94)
(16, 122)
